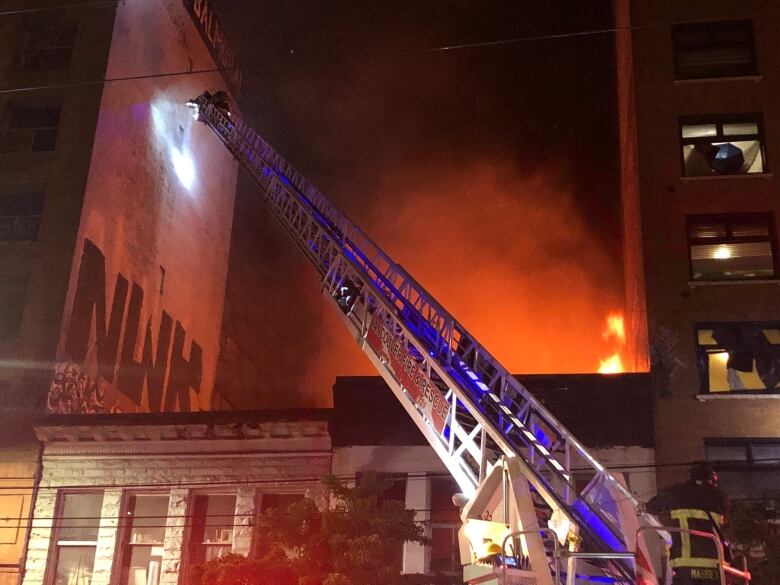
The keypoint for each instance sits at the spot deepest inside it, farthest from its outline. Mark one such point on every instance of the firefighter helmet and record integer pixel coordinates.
(703, 473)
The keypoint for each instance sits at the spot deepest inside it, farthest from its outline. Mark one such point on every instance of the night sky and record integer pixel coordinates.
(490, 173)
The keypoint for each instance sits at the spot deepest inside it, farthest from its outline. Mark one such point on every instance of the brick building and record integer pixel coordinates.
(115, 221)
(699, 120)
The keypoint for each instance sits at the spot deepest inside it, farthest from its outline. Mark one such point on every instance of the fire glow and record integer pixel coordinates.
(615, 333)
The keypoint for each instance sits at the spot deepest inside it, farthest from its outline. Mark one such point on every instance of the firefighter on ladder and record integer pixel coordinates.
(697, 504)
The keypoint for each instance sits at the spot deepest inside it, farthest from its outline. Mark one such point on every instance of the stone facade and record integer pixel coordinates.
(279, 457)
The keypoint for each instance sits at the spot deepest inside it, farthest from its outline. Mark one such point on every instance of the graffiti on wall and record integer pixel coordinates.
(99, 371)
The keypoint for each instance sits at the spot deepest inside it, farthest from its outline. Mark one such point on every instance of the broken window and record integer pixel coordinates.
(714, 49)
(722, 145)
(738, 357)
(31, 127)
(20, 213)
(732, 247)
(47, 42)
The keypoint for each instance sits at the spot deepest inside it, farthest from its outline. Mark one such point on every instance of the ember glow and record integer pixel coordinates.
(615, 334)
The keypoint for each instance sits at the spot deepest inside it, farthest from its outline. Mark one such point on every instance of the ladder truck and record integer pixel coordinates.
(518, 468)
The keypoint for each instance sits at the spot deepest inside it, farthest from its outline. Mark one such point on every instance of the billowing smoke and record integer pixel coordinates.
(489, 174)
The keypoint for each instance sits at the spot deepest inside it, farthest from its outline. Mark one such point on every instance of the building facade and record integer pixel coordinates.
(115, 220)
(699, 118)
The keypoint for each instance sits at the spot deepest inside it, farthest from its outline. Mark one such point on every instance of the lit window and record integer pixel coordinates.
(13, 291)
(143, 539)
(20, 214)
(714, 49)
(47, 42)
(731, 247)
(31, 128)
(212, 527)
(722, 145)
(75, 538)
(747, 468)
(738, 357)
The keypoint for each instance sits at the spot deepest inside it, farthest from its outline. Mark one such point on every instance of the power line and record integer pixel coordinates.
(59, 7)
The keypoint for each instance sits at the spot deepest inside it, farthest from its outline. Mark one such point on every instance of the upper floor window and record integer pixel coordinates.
(714, 49)
(722, 145)
(13, 293)
(143, 539)
(31, 127)
(20, 213)
(47, 42)
(738, 357)
(211, 535)
(75, 538)
(732, 247)
(748, 467)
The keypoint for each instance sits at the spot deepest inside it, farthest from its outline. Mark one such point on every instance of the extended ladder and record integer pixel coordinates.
(470, 409)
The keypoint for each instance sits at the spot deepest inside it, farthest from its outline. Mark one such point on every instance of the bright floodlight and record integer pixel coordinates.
(184, 167)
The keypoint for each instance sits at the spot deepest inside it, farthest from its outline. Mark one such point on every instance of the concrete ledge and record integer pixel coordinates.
(725, 177)
(753, 78)
(733, 396)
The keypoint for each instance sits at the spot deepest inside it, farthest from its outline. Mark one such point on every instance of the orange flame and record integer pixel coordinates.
(615, 330)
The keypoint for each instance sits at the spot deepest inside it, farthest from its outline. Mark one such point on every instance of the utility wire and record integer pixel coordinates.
(60, 7)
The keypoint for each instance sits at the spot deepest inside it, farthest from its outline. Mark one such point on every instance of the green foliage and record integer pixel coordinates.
(754, 532)
(353, 542)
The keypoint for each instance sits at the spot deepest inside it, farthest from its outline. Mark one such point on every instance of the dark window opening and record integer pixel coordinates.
(20, 214)
(722, 145)
(747, 467)
(732, 247)
(280, 502)
(31, 128)
(445, 522)
(13, 291)
(738, 357)
(714, 49)
(47, 42)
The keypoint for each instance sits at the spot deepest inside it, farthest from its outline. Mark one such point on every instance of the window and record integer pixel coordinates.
(31, 128)
(13, 290)
(212, 527)
(722, 145)
(747, 468)
(738, 357)
(445, 522)
(279, 501)
(75, 540)
(731, 247)
(20, 214)
(143, 539)
(47, 42)
(714, 49)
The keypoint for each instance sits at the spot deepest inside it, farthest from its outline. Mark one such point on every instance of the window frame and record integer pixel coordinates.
(747, 443)
(13, 106)
(33, 220)
(23, 280)
(191, 555)
(729, 219)
(35, 30)
(50, 572)
(708, 27)
(124, 533)
(718, 120)
(704, 376)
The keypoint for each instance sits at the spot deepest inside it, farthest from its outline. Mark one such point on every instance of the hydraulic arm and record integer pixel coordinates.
(472, 411)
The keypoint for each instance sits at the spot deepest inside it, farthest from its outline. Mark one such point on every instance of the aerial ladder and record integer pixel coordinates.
(516, 465)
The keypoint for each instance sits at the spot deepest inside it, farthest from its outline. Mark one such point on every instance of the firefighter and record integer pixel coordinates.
(697, 504)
